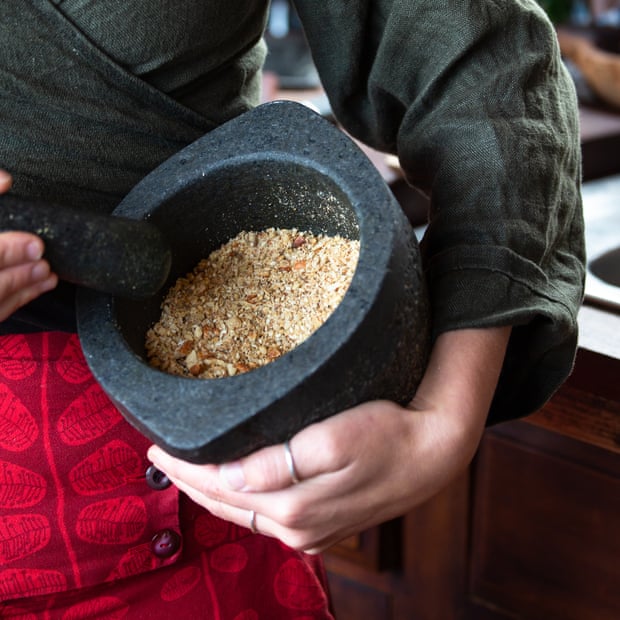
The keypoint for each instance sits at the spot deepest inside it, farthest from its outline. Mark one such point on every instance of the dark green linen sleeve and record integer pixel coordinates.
(474, 99)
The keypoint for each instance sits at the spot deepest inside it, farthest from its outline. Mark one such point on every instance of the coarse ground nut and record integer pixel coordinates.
(252, 300)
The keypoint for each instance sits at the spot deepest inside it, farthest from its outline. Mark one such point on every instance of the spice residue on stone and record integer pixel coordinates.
(255, 298)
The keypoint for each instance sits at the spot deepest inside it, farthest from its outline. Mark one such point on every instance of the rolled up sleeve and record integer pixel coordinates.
(475, 101)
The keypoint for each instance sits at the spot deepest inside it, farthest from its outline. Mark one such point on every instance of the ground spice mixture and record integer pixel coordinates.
(252, 300)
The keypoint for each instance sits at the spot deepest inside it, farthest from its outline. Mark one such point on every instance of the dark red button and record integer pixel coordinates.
(156, 479)
(165, 543)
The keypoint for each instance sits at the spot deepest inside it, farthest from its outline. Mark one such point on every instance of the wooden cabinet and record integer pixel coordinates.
(531, 531)
(545, 538)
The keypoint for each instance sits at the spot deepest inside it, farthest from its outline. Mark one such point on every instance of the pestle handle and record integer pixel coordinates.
(121, 256)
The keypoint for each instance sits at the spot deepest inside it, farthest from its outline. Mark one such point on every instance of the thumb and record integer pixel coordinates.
(269, 469)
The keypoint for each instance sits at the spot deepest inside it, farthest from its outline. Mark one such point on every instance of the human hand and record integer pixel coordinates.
(24, 275)
(599, 68)
(365, 465)
(571, 44)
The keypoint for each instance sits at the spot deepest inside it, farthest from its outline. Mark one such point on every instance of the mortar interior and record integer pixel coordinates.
(249, 195)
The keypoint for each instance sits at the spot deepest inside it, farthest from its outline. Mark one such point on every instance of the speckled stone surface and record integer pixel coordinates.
(278, 165)
(120, 256)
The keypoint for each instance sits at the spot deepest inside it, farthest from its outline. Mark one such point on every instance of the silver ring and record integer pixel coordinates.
(288, 455)
(253, 522)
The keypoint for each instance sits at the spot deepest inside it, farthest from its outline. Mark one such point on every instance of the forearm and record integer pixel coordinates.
(461, 379)
(600, 69)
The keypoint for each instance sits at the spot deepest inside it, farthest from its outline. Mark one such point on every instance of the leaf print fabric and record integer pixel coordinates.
(106, 469)
(112, 521)
(20, 487)
(70, 485)
(22, 535)
(230, 558)
(295, 589)
(89, 417)
(108, 607)
(77, 516)
(180, 584)
(17, 362)
(31, 581)
(18, 428)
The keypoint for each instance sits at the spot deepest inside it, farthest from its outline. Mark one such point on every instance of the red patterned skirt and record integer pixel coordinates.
(82, 534)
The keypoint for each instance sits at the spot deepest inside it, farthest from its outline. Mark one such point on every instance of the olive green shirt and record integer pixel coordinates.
(472, 96)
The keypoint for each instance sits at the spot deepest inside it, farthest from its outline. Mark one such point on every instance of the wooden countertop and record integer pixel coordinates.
(599, 331)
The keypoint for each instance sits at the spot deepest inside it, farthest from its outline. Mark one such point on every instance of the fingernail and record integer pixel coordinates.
(40, 271)
(153, 454)
(33, 250)
(49, 283)
(232, 474)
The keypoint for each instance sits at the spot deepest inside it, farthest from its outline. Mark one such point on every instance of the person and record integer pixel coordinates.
(474, 100)
(599, 68)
